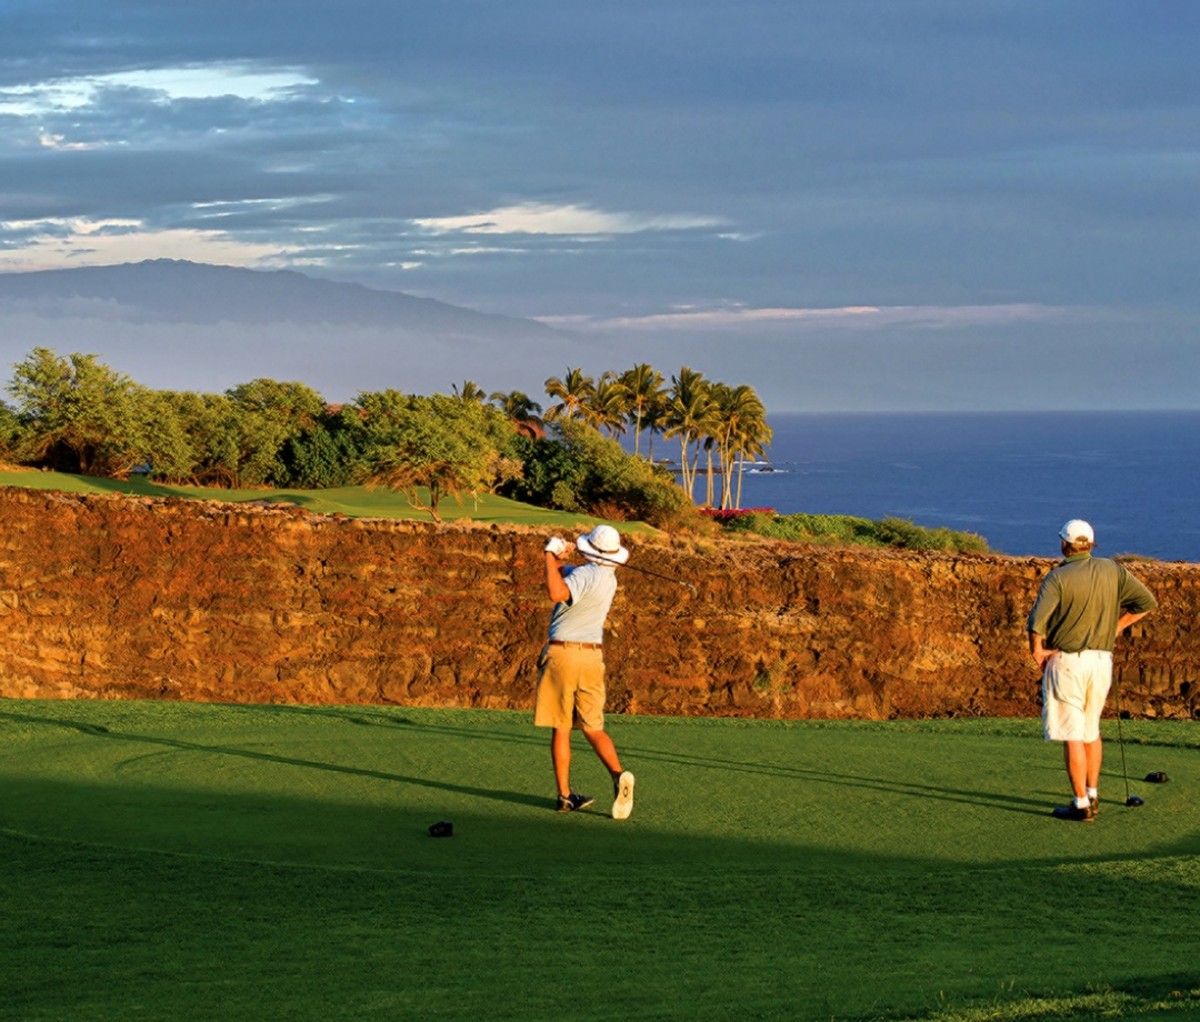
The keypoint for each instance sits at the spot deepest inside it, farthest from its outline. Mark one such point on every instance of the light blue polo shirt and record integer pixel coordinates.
(592, 587)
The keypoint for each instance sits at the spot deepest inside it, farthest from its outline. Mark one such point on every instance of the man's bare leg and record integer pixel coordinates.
(1075, 755)
(560, 756)
(1095, 753)
(605, 749)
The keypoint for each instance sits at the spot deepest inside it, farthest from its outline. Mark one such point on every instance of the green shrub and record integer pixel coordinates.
(850, 530)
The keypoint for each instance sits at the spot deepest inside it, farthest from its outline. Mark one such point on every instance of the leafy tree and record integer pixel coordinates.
(77, 414)
(575, 468)
(209, 421)
(166, 445)
(329, 453)
(10, 431)
(440, 444)
(268, 414)
(553, 475)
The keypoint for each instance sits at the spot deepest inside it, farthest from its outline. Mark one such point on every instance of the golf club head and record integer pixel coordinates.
(1134, 801)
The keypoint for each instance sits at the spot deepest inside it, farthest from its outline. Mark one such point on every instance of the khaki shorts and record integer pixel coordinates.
(1074, 687)
(570, 689)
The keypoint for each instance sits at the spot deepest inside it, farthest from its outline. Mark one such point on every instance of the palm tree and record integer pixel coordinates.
(608, 406)
(755, 437)
(643, 384)
(714, 423)
(522, 410)
(470, 392)
(654, 419)
(688, 412)
(741, 429)
(573, 392)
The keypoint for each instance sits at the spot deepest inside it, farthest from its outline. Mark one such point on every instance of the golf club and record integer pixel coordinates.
(1133, 801)
(644, 571)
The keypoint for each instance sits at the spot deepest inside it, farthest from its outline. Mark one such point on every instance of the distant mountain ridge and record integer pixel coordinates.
(179, 291)
(181, 325)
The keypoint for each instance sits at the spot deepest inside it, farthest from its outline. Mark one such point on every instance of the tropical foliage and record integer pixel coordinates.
(75, 414)
(850, 530)
(725, 425)
(574, 468)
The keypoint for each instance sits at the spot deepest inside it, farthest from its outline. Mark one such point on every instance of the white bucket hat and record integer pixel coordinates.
(1077, 531)
(604, 543)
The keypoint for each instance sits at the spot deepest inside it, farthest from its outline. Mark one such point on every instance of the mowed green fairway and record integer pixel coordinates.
(171, 861)
(352, 501)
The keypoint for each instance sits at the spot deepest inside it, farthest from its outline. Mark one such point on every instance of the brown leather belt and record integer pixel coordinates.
(576, 645)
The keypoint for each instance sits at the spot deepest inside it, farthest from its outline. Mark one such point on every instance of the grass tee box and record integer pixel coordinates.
(166, 860)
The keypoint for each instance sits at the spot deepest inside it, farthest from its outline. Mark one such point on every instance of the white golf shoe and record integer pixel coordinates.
(623, 796)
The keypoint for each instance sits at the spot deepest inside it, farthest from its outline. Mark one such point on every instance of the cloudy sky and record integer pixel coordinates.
(848, 204)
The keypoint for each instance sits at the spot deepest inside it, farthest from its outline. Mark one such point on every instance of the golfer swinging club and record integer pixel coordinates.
(570, 689)
(1082, 606)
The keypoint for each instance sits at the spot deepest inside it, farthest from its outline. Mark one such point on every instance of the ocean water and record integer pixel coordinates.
(1013, 478)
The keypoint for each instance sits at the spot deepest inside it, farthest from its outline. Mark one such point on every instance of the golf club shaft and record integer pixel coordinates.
(644, 571)
(1121, 739)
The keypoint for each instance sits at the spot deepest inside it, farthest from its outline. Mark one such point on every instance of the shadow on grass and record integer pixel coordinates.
(367, 717)
(1001, 801)
(100, 731)
(895, 786)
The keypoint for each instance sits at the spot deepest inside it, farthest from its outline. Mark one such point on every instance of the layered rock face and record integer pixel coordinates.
(115, 597)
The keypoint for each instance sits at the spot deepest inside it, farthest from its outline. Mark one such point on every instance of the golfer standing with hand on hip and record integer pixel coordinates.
(1082, 606)
(570, 689)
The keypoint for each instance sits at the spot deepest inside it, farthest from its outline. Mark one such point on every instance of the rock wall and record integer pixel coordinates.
(116, 597)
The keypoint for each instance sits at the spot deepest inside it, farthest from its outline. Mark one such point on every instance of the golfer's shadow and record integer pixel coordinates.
(994, 800)
(374, 718)
(99, 731)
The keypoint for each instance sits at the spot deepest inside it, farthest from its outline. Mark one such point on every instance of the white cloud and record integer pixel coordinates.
(210, 81)
(570, 220)
(171, 83)
(59, 142)
(54, 243)
(859, 316)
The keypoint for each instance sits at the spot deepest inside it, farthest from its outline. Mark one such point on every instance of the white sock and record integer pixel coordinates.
(1092, 793)
(1082, 803)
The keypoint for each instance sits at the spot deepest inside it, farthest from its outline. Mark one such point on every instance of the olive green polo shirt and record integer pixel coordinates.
(1081, 600)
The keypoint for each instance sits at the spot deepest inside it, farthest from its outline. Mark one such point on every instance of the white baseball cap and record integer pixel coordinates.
(1077, 531)
(605, 543)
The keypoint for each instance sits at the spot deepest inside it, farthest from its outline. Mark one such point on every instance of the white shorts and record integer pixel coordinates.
(1074, 687)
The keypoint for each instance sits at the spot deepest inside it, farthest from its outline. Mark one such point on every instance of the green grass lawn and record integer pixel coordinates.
(174, 861)
(353, 501)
